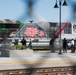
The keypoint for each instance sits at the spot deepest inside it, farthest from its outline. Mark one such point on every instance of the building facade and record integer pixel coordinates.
(7, 27)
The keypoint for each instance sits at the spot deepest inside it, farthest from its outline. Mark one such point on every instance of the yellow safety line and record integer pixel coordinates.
(38, 62)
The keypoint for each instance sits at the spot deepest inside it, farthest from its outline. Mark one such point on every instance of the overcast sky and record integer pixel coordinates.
(42, 10)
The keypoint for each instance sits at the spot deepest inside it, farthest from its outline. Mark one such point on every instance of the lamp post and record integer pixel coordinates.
(56, 6)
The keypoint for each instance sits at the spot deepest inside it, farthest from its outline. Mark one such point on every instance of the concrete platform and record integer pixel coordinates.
(38, 60)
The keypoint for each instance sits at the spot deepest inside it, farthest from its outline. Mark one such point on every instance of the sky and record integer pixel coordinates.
(42, 10)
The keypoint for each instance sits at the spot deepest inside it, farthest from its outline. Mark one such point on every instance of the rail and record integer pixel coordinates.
(67, 70)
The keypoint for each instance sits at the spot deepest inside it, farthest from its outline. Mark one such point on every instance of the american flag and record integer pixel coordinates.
(33, 31)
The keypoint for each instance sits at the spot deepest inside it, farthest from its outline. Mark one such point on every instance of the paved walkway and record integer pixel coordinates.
(38, 59)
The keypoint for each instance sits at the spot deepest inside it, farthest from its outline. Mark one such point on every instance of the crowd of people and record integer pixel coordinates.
(64, 43)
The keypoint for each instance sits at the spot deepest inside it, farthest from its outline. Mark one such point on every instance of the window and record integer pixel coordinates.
(68, 29)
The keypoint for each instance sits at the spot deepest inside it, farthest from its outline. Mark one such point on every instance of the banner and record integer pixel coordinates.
(33, 32)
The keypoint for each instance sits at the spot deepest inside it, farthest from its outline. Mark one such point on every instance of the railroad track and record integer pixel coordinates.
(69, 70)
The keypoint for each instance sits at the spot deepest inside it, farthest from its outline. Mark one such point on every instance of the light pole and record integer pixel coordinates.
(56, 6)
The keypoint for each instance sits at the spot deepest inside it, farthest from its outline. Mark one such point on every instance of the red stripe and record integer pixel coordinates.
(62, 28)
(58, 32)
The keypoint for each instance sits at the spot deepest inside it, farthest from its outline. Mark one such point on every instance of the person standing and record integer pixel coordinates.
(64, 45)
(72, 46)
(30, 44)
(23, 41)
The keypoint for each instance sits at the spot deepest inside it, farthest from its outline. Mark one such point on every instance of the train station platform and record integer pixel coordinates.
(38, 60)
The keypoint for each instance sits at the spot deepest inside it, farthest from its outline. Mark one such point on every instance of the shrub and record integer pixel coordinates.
(18, 47)
(23, 47)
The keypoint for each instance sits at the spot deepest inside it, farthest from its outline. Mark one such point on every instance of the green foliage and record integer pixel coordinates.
(23, 47)
(18, 47)
(18, 22)
(21, 25)
(2, 29)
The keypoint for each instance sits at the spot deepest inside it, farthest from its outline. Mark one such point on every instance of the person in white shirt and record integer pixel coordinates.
(72, 46)
(72, 42)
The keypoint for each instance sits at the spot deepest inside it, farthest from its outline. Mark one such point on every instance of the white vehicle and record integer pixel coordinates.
(69, 43)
